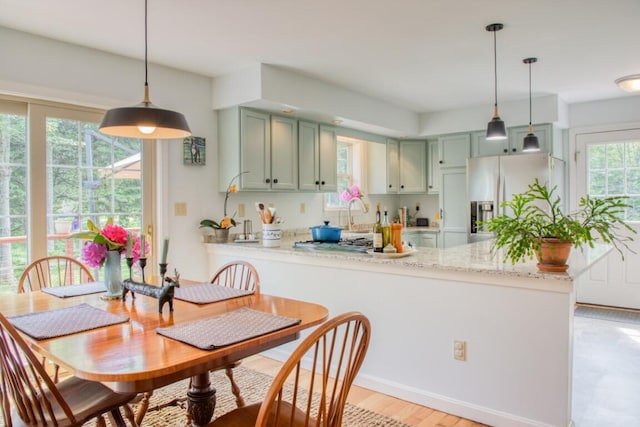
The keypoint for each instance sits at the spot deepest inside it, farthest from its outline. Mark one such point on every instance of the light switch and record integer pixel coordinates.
(180, 209)
(302, 208)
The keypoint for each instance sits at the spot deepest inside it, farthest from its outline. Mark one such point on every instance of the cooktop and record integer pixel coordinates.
(351, 245)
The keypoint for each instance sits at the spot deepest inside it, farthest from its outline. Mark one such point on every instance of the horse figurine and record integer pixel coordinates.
(163, 294)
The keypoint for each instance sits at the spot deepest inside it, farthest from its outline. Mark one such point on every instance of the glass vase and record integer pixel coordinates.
(221, 235)
(113, 274)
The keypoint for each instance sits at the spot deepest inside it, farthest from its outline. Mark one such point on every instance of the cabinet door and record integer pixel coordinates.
(284, 153)
(517, 134)
(480, 147)
(255, 151)
(413, 167)
(428, 240)
(433, 172)
(453, 207)
(454, 150)
(393, 166)
(328, 159)
(308, 157)
(376, 168)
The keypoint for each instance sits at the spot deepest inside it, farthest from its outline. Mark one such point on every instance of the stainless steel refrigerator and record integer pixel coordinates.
(491, 180)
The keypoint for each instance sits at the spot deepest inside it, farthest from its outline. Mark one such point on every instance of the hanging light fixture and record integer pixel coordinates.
(495, 128)
(629, 83)
(145, 120)
(530, 142)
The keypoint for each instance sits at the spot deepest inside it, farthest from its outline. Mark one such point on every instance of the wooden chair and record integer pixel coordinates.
(53, 271)
(30, 398)
(238, 275)
(235, 274)
(335, 351)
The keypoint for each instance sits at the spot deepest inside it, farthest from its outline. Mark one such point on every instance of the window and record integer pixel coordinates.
(613, 169)
(350, 170)
(50, 183)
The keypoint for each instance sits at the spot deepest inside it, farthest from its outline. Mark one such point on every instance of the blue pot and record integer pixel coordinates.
(326, 233)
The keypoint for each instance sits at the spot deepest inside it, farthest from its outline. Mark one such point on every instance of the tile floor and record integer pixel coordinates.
(606, 380)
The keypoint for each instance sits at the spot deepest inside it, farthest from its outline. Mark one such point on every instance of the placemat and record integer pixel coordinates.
(75, 290)
(64, 321)
(228, 328)
(205, 293)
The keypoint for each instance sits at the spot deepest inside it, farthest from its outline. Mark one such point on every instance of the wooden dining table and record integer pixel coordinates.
(133, 357)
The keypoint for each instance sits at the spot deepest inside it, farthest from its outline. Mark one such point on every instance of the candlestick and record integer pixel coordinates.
(163, 271)
(130, 264)
(165, 250)
(143, 263)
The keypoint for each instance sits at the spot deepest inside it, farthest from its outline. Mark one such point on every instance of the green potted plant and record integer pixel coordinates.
(536, 225)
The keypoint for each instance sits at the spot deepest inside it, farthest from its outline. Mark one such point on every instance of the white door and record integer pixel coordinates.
(608, 164)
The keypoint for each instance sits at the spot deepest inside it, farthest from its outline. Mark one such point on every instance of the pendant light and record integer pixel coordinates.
(145, 120)
(530, 142)
(495, 129)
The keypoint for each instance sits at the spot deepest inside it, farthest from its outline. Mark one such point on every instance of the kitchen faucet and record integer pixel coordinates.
(364, 207)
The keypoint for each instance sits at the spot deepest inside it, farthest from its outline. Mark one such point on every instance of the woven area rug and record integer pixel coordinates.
(608, 314)
(253, 385)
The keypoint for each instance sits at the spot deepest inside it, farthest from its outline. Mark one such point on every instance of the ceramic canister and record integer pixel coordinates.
(271, 235)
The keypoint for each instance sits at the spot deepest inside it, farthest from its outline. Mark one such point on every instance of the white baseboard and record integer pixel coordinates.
(435, 401)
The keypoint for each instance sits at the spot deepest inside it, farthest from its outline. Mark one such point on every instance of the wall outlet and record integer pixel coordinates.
(302, 208)
(241, 210)
(180, 209)
(460, 350)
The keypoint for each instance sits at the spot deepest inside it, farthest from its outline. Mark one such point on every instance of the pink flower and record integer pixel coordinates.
(355, 192)
(135, 248)
(115, 233)
(93, 254)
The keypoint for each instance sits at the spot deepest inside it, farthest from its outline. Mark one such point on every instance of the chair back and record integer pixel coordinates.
(332, 355)
(239, 275)
(25, 382)
(53, 271)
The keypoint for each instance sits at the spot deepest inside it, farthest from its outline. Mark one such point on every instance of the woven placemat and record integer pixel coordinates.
(226, 329)
(64, 321)
(205, 293)
(75, 290)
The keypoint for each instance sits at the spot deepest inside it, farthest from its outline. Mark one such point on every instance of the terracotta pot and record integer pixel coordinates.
(553, 255)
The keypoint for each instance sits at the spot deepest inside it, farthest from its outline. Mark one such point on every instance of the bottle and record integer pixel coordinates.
(386, 229)
(377, 232)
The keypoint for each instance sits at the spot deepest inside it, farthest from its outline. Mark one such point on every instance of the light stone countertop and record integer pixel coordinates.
(471, 258)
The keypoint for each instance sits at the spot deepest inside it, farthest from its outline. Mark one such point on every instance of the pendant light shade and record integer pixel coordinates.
(629, 83)
(495, 129)
(144, 120)
(530, 142)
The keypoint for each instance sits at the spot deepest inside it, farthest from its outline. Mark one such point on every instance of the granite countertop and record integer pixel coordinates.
(471, 258)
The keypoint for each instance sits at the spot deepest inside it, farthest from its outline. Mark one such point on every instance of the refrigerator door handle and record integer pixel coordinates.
(498, 198)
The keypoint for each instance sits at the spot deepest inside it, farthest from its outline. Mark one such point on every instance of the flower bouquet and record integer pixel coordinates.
(227, 221)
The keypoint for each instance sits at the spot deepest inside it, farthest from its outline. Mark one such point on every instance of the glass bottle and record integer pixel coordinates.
(377, 232)
(386, 229)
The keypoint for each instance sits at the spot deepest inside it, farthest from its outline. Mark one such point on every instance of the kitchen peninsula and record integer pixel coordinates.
(516, 323)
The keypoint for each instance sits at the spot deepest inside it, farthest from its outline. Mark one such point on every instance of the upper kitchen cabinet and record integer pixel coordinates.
(413, 166)
(433, 172)
(548, 137)
(264, 146)
(393, 166)
(318, 157)
(377, 168)
(454, 150)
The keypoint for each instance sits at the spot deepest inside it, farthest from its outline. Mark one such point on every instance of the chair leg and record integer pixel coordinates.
(100, 421)
(116, 418)
(128, 413)
(143, 406)
(234, 388)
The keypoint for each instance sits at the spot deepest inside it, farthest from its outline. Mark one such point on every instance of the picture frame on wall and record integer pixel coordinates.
(194, 151)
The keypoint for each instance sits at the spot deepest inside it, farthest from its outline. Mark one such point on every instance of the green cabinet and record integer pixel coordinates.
(453, 207)
(433, 171)
(393, 166)
(263, 145)
(454, 150)
(421, 239)
(413, 166)
(317, 157)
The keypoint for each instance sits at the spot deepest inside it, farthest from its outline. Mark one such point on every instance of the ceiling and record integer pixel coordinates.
(424, 55)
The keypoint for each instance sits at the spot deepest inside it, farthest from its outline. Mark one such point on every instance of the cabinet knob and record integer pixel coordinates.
(267, 180)
(322, 182)
(402, 186)
(390, 186)
(440, 161)
(514, 150)
(317, 182)
(505, 150)
(275, 181)
(431, 186)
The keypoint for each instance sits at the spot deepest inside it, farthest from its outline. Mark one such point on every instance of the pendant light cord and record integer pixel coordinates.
(146, 66)
(529, 93)
(495, 69)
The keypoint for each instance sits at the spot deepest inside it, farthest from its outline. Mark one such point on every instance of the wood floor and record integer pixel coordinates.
(406, 412)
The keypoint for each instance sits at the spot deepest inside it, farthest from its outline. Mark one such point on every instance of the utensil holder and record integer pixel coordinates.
(271, 235)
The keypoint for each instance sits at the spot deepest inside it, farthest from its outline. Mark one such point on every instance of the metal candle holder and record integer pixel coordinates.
(143, 264)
